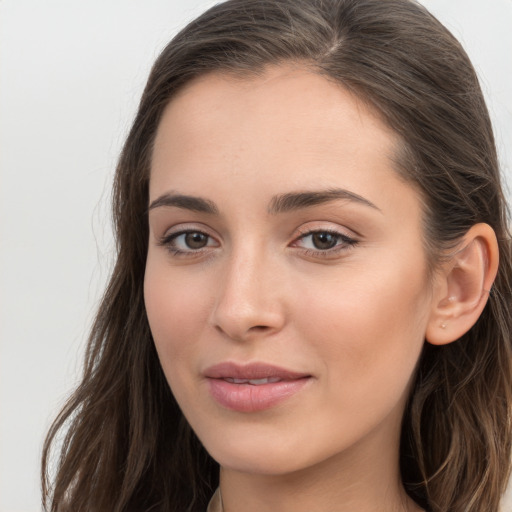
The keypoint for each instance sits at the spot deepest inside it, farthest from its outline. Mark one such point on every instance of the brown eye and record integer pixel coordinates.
(324, 240)
(196, 240)
(187, 242)
(325, 243)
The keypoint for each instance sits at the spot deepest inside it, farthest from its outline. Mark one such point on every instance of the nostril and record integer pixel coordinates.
(259, 327)
(253, 329)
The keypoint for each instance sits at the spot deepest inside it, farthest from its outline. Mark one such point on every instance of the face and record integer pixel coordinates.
(286, 284)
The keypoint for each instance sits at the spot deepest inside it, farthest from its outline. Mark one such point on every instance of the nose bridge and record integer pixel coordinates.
(248, 298)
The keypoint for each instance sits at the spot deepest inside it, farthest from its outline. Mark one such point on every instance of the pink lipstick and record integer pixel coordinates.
(253, 387)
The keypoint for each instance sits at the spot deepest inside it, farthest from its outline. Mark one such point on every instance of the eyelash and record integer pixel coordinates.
(168, 240)
(344, 243)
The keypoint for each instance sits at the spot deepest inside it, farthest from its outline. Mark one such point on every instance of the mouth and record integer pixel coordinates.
(253, 387)
(253, 382)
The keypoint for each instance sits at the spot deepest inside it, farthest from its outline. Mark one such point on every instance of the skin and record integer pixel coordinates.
(353, 316)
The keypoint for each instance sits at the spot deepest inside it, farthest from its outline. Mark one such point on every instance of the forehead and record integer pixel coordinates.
(286, 129)
(270, 97)
(291, 105)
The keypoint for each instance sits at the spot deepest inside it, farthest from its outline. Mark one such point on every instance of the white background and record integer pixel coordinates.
(71, 73)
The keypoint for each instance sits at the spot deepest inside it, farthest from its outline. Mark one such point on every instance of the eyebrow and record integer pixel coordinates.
(300, 200)
(282, 203)
(195, 204)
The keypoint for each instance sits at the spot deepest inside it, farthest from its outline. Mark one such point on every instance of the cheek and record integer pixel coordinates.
(368, 325)
(176, 312)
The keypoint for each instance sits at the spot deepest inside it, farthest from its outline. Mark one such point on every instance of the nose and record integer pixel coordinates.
(249, 302)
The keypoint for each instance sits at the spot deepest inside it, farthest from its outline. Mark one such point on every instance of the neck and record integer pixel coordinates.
(295, 493)
(356, 479)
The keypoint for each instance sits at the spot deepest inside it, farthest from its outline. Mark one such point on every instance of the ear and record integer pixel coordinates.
(462, 286)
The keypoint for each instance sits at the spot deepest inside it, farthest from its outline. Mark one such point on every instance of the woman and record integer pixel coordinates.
(311, 301)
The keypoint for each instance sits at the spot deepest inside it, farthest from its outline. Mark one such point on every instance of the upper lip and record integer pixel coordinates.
(255, 370)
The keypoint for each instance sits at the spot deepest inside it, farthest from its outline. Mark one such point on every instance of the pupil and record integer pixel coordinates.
(324, 240)
(196, 240)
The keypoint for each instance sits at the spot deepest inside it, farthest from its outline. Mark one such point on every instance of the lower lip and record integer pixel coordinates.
(251, 398)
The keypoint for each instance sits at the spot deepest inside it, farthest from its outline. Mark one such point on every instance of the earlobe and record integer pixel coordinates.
(462, 286)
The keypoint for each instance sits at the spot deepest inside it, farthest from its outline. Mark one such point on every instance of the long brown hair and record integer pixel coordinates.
(127, 446)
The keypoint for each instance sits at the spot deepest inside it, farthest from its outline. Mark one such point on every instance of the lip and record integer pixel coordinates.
(253, 397)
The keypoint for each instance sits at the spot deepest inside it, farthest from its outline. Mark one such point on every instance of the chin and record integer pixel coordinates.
(251, 454)
(269, 455)
(260, 462)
